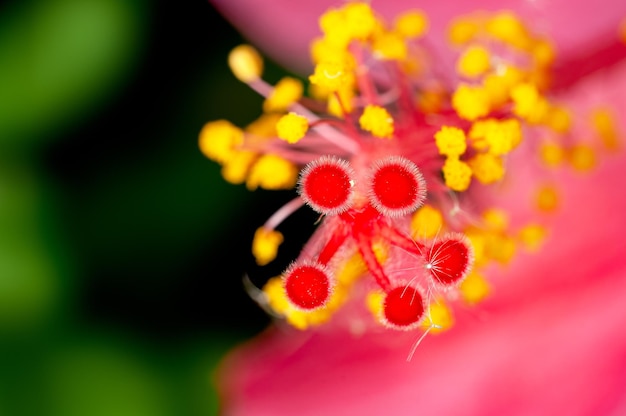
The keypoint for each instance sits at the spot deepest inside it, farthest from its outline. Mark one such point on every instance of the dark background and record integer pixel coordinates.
(122, 250)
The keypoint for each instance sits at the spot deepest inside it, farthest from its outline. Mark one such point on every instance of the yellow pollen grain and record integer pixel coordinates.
(543, 52)
(528, 103)
(500, 247)
(603, 123)
(219, 140)
(474, 62)
(245, 63)
(496, 219)
(498, 84)
(450, 141)
(559, 119)
(547, 198)
(477, 239)
(532, 236)
(264, 126)
(292, 127)
(474, 288)
(237, 168)
(507, 28)
(462, 30)
(582, 157)
(377, 121)
(390, 46)
(487, 168)
(411, 24)
(374, 301)
(265, 245)
(272, 172)
(470, 102)
(426, 222)
(439, 317)
(341, 102)
(457, 174)
(286, 92)
(552, 154)
(331, 75)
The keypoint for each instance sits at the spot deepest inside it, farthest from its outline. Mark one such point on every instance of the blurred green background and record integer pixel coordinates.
(122, 250)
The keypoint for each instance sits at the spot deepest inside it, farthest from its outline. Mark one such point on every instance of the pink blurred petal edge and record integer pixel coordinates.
(551, 339)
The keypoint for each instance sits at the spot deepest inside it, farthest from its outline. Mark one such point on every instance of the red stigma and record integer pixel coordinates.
(307, 285)
(449, 260)
(403, 307)
(397, 187)
(326, 185)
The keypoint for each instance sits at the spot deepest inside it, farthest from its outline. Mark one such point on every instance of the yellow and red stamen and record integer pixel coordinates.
(389, 162)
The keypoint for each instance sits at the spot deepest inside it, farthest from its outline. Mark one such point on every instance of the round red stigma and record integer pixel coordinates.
(396, 186)
(326, 185)
(450, 259)
(307, 286)
(403, 307)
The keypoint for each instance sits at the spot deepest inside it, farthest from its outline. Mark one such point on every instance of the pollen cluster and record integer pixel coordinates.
(388, 153)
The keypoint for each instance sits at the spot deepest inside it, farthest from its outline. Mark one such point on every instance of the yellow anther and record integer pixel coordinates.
(331, 75)
(474, 62)
(496, 219)
(463, 30)
(582, 157)
(354, 21)
(411, 24)
(360, 20)
(219, 140)
(500, 247)
(487, 168)
(477, 239)
(438, 317)
(292, 127)
(277, 300)
(377, 121)
(498, 84)
(543, 52)
(236, 170)
(559, 119)
(528, 103)
(245, 63)
(426, 222)
(265, 245)
(272, 172)
(603, 123)
(340, 103)
(474, 288)
(351, 271)
(286, 92)
(457, 174)
(470, 102)
(264, 126)
(324, 51)
(374, 302)
(389, 45)
(450, 141)
(533, 236)
(506, 27)
(495, 136)
(552, 154)
(547, 198)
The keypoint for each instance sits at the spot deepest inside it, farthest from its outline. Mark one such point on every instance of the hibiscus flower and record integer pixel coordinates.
(466, 166)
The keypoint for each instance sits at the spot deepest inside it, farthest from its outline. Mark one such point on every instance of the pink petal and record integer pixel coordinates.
(585, 31)
(550, 341)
